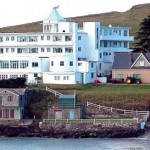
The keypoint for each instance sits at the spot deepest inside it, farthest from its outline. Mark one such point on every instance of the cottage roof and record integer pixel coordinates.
(55, 16)
(16, 91)
(127, 60)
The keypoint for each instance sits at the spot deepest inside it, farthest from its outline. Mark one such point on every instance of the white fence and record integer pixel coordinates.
(53, 91)
(144, 114)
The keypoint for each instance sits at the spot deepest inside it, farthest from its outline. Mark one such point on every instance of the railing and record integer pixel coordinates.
(145, 114)
(92, 120)
(53, 91)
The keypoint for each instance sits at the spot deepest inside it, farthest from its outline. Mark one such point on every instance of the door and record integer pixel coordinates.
(71, 114)
(82, 78)
(12, 113)
(58, 114)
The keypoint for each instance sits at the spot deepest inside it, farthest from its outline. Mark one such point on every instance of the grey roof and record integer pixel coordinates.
(17, 91)
(126, 60)
(66, 96)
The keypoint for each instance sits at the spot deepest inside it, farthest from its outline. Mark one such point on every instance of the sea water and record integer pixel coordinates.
(74, 144)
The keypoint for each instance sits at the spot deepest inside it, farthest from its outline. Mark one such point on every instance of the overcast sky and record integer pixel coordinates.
(14, 12)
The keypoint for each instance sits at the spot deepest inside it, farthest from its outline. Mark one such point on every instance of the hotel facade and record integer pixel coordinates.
(63, 53)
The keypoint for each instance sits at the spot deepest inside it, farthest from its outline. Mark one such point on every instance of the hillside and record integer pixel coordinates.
(130, 18)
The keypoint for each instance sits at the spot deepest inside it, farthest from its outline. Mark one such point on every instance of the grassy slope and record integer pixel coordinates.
(135, 97)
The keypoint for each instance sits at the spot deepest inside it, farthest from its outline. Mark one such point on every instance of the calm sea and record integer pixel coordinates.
(73, 144)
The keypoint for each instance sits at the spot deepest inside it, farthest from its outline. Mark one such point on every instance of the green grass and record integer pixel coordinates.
(122, 96)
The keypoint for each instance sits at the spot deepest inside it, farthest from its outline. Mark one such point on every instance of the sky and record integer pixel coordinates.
(15, 12)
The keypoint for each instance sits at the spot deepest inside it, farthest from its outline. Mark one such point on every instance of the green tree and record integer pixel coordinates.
(143, 36)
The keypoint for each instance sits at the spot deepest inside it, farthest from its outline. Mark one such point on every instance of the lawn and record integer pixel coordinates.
(120, 96)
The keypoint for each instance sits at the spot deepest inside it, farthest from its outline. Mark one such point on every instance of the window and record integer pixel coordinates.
(105, 32)
(24, 63)
(12, 50)
(33, 50)
(57, 50)
(61, 63)
(7, 38)
(120, 75)
(79, 49)
(119, 44)
(141, 62)
(1, 100)
(68, 50)
(42, 49)
(22, 50)
(125, 32)
(100, 55)
(79, 64)
(57, 38)
(119, 32)
(68, 38)
(79, 37)
(71, 63)
(10, 98)
(100, 66)
(34, 64)
(22, 39)
(125, 44)
(110, 32)
(48, 49)
(92, 65)
(4, 64)
(65, 77)
(5, 113)
(33, 38)
(92, 75)
(12, 38)
(7, 50)
(115, 44)
(14, 64)
(115, 31)
(52, 63)
(1, 50)
(42, 38)
(105, 43)
(35, 75)
(56, 77)
(1, 39)
(48, 38)
(110, 54)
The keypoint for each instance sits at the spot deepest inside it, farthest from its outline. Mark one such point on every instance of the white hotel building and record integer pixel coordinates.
(62, 53)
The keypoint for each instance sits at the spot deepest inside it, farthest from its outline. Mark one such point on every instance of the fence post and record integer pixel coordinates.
(94, 121)
(137, 120)
(55, 120)
(111, 109)
(121, 120)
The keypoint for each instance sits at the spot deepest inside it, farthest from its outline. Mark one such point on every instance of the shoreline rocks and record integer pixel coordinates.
(73, 130)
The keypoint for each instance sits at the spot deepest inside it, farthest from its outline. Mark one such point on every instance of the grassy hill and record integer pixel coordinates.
(130, 18)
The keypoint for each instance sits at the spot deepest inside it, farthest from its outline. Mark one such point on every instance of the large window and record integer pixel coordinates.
(22, 39)
(120, 75)
(24, 63)
(57, 38)
(57, 50)
(22, 50)
(68, 50)
(33, 38)
(14, 64)
(33, 50)
(68, 38)
(4, 64)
